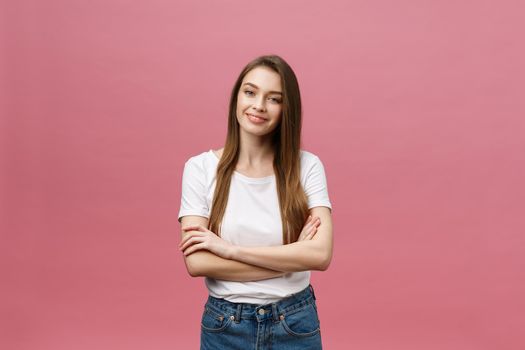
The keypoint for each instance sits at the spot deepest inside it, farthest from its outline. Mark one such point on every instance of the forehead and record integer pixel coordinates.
(265, 79)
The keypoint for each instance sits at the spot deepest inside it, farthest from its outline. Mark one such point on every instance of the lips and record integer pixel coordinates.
(257, 116)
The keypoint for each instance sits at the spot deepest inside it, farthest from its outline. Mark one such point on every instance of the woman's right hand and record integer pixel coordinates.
(309, 228)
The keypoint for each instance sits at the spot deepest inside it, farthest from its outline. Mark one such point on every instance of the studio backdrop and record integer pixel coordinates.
(415, 107)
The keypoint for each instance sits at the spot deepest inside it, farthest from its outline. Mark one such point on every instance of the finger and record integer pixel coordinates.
(314, 220)
(191, 241)
(303, 234)
(306, 236)
(312, 233)
(193, 248)
(189, 236)
(311, 225)
(308, 225)
(193, 227)
(196, 228)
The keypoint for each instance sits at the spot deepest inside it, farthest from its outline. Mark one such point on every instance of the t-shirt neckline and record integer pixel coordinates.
(244, 177)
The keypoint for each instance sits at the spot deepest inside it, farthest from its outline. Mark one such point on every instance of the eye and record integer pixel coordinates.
(248, 92)
(276, 100)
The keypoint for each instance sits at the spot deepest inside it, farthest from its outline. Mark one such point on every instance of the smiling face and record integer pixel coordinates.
(259, 101)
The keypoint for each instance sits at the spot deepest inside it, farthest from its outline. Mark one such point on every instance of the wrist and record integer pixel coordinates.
(233, 252)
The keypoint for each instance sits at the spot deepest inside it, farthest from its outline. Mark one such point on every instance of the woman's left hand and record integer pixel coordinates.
(202, 238)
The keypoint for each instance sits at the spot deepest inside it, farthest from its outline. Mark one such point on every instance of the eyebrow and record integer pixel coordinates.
(272, 92)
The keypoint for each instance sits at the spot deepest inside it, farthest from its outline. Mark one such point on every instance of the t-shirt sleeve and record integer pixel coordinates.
(316, 187)
(193, 194)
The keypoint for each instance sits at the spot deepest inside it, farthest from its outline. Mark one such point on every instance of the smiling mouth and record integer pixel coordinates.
(255, 118)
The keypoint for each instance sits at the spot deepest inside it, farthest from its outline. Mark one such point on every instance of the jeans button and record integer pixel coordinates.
(261, 311)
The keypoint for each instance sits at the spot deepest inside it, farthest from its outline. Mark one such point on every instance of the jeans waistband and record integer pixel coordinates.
(263, 311)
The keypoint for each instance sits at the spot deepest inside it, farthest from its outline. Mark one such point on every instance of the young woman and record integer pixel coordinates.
(256, 219)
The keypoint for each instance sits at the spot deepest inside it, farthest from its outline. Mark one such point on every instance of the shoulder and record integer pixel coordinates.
(308, 160)
(311, 166)
(202, 162)
(307, 155)
(313, 179)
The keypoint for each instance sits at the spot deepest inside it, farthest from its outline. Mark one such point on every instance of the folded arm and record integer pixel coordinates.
(314, 254)
(206, 264)
(203, 263)
(303, 255)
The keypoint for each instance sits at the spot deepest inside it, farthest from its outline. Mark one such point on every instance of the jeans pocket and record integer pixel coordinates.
(303, 322)
(213, 320)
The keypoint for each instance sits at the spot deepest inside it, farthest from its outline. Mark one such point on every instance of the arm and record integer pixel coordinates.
(314, 254)
(204, 263)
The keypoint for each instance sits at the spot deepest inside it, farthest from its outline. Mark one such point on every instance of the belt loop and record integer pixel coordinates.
(312, 290)
(238, 313)
(275, 312)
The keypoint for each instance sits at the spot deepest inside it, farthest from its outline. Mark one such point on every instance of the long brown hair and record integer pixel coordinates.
(286, 140)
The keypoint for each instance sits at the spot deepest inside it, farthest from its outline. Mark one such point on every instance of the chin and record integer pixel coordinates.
(255, 131)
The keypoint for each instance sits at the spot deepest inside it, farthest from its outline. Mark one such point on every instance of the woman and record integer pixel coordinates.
(256, 219)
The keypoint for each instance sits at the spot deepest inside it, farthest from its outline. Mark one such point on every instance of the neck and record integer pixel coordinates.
(255, 150)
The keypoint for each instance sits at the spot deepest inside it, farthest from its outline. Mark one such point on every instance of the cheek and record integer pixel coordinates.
(278, 112)
(276, 121)
(239, 107)
(240, 110)
(241, 99)
(241, 104)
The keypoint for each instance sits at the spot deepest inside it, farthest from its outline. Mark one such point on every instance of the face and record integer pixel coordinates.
(259, 101)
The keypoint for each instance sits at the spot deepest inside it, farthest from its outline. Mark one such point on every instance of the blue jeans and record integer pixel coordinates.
(290, 323)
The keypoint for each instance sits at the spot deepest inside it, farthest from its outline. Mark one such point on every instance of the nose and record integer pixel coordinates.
(259, 104)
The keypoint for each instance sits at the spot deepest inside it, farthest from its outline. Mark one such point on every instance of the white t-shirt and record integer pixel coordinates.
(252, 218)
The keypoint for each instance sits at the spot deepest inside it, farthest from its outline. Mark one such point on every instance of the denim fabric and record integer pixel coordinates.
(290, 323)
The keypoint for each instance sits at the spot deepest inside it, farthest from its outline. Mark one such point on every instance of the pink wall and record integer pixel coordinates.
(415, 107)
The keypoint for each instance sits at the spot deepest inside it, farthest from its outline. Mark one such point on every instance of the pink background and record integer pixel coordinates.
(416, 109)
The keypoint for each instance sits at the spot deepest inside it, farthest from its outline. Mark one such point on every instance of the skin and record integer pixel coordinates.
(205, 253)
(255, 98)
